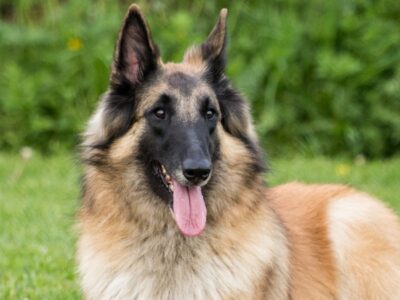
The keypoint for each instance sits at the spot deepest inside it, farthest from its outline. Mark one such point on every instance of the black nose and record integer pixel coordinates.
(196, 170)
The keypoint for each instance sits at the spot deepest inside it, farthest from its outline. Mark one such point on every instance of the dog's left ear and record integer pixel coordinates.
(212, 51)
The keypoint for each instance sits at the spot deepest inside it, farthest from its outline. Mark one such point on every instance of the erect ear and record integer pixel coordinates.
(136, 55)
(212, 51)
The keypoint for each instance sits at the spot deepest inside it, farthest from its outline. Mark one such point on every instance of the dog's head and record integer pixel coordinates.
(181, 127)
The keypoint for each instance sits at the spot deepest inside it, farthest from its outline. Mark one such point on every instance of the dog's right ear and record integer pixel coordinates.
(136, 55)
(135, 58)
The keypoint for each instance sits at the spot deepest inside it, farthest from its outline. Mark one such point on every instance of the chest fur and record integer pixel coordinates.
(162, 268)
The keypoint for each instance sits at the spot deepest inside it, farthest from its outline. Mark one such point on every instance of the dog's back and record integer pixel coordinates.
(345, 244)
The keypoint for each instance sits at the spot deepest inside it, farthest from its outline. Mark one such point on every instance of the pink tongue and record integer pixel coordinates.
(189, 209)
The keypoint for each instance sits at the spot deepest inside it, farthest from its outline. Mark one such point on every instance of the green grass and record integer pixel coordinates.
(38, 200)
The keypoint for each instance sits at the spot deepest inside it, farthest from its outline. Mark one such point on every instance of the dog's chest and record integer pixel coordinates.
(174, 272)
(213, 279)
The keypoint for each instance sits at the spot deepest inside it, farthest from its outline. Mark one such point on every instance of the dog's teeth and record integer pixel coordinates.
(163, 170)
(167, 177)
(171, 187)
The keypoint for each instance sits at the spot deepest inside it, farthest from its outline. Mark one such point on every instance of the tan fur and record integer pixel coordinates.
(294, 241)
(303, 211)
(119, 250)
(366, 244)
(345, 245)
(194, 57)
(245, 254)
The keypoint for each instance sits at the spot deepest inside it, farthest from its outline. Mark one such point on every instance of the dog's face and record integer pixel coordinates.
(181, 113)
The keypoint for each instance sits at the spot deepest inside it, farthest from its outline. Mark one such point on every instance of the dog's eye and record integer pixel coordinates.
(160, 113)
(210, 114)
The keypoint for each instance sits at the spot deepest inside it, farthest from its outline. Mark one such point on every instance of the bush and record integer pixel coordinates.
(322, 76)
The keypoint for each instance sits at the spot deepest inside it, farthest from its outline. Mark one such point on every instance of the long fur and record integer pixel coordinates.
(293, 241)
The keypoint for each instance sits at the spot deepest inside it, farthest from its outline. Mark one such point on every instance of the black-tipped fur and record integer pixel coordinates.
(135, 60)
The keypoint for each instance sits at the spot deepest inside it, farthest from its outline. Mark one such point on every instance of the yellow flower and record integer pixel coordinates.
(342, 170)
(74, 44)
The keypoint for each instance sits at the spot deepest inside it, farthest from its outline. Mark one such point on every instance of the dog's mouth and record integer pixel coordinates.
(187, 203)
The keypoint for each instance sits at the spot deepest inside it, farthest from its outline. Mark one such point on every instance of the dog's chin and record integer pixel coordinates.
(185, 200)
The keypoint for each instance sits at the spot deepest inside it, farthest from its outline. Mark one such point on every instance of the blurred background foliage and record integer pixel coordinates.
(323, 77)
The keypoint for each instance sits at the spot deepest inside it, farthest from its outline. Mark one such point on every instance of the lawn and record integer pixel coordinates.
(38, 200)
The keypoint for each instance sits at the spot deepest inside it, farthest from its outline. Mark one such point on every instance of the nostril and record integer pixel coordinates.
(196, 173)
(204, 176)
(190, 173)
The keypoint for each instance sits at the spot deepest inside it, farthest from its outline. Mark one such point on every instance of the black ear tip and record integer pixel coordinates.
(134, 12)
(134, 16)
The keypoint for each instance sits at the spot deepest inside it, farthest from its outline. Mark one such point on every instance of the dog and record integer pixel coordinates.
(174, 205)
